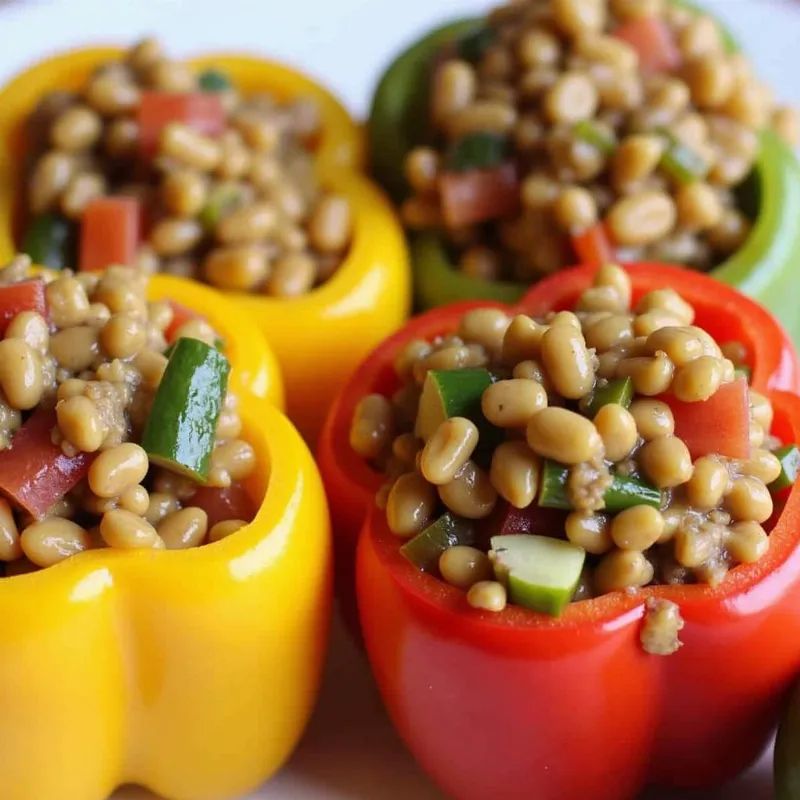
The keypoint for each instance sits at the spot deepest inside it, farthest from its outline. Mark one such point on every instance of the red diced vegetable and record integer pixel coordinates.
(202, 112)
(180, 316)
(593, 247)
(653, 41)
(110, 230)
(718, 425)
(479, 195)
(221, 504)
(506, 520)
(19, 297)
(34, 473)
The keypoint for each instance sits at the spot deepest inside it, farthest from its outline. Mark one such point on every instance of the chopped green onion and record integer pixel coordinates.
(683, 164)
(214, 80)
(222, 199)
(595, 135)
(623, 492)
(789, 456)
(424, 549)
(480, 150)
(619, 392)
(472, 46)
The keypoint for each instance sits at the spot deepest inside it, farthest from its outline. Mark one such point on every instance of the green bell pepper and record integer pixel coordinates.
(399, 121)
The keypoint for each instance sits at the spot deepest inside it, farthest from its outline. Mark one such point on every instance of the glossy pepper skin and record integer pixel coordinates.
(334, 326)
(763, 268)
(351, 484)
(190, 672)
(518, 705)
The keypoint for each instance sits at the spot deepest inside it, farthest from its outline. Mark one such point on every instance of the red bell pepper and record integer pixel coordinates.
(653, 42)
(110, 232)
(18, 297)
(720, 424)
(201, 111)
(34, 473)
(180, 316)
(516, 705)
(593, 247)
(721, 310)
(479, 195)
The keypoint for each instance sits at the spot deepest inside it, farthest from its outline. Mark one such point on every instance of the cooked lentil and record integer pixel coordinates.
(240, 209)
(101, 387)
(700, 517)
(557, 99)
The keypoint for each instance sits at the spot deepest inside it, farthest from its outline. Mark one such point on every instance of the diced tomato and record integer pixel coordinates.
(201, 111)
(34, 472)
(479, 195)
(180, 316)
(653, 41)
(593, 247)
(718, 425)
(19, 297)
(221, 504)
(110, 231)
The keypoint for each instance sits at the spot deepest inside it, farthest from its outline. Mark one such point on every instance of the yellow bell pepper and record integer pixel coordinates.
(319, 338)
(191, 672)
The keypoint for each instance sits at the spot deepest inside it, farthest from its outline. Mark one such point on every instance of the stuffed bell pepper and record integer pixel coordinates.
(164, 542)
(581, 526)
(229, 170)
(562, 132)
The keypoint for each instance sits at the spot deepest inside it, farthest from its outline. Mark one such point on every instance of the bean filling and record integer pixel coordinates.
(543, 461)
(224, 182)
(88, 385)
(573, 131)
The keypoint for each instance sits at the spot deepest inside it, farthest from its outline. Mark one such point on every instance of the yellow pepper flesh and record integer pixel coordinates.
(319, 338)
(191, 672)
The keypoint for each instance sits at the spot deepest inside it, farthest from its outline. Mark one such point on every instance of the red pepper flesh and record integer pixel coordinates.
(110, 232)
(653, 42)
(180, 316)
(718, 425)
(479, 195)
(34, 472)
(19, 297)
(593, 247)
(201, 111)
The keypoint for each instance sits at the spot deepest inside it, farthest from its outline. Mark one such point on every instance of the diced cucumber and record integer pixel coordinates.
(219, 343)
(619, 392)
(450, 393)
(789, 456)
(472, 46)
(214, 80)
(448, 531)
(540, 573)
(50, 241)
(180, 430)
(598, 137)
(683, 164)
(479, 150)
(623, 493)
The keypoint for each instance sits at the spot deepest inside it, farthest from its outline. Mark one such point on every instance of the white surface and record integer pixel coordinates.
(350, 751)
